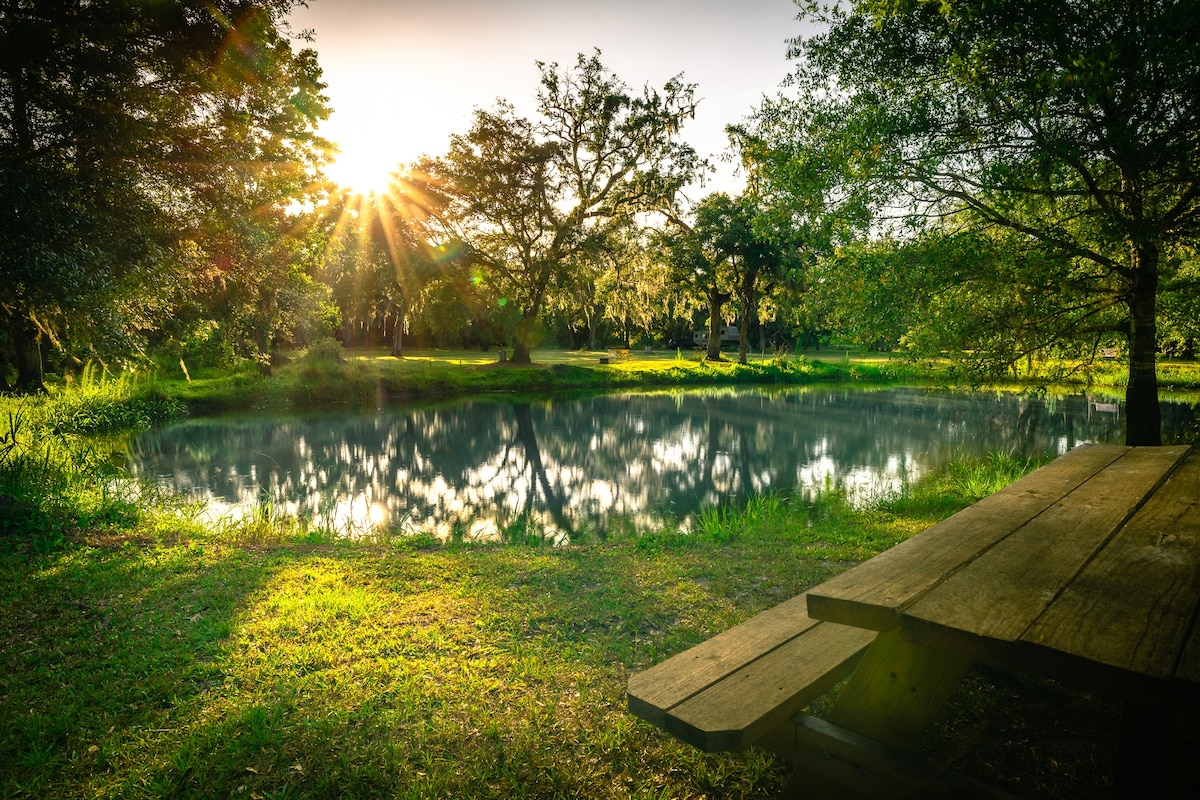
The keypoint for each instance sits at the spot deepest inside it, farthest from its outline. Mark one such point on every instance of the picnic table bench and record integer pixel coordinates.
(1086, 571)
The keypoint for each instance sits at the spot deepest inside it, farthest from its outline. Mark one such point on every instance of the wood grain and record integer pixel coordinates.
(872, 594)
(652, 692)
(734, 712)
(897, 690)
(982, 609)
(1129, 611)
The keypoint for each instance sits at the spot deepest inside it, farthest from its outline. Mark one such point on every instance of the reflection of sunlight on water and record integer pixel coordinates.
(461, 512)
(611, 466)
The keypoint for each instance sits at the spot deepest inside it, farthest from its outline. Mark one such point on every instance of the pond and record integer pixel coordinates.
(474, 467)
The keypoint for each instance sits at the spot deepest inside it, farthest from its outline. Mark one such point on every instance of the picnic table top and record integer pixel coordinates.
(1087, 570)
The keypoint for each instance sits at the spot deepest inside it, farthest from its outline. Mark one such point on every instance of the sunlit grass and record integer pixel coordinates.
(213, 665)
(149, 654)
(373, 377)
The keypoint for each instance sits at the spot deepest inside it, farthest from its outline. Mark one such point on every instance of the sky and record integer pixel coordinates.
(403, 75)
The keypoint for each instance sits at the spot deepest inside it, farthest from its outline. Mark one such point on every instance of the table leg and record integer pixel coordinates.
(894, 693)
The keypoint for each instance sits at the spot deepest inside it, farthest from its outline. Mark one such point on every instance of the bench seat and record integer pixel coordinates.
(727, 692)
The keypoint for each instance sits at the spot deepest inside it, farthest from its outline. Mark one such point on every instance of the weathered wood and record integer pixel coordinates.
(864, 766)
(736, 711)
(982, 609)
(872, 594)
(667, 684)
(897, 689)
(1120, 625)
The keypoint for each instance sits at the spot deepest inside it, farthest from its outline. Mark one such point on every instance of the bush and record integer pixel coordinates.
(323, 352)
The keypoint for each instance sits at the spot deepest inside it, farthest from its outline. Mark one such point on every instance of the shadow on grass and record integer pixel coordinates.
(348, 671)
(103, 648)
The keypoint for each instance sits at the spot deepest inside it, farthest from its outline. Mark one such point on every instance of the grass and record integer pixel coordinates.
(180, 661)
(61, 457)
(146, 655)
(325, 376)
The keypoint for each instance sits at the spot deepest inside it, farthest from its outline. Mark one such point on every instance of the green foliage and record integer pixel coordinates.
(97, 403)
(149, 154)
(1053, 139)
(323, 353)
(531, 197)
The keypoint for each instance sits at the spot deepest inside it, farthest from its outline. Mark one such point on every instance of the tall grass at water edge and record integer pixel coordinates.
(327, 374)
(830, 524)
(61, 456)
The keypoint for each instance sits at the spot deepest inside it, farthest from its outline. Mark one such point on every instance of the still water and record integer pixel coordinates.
(571, 465)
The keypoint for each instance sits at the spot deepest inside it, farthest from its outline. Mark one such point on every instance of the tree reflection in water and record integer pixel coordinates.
(583, 466)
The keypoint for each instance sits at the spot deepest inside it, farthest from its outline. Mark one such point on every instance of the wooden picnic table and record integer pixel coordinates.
(1086, 571)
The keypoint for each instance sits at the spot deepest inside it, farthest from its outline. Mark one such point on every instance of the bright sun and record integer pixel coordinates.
(380, 127)
(372, 148)
(363, 169)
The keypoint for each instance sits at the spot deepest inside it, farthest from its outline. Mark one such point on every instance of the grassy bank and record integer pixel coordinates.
(145, 655)
(182, 662)
(326, 375)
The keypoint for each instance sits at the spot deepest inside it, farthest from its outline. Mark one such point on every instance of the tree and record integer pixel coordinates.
(131, 135)
(528, 195)
(635, 286)
(1071, 125)
(725, 251)
(695, 259)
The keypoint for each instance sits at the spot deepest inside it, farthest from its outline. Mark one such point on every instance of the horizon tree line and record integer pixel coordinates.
(1012, 186)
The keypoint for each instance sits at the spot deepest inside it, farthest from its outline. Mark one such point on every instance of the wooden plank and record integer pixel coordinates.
(652, 692)
(1188, 670)
(736, 711)
(872, 594)
(897, 690)
(983, 609)
(866, 767)
(1128, 614)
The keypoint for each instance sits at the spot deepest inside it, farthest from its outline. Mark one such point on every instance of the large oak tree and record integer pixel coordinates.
(142, 144)
(529, 195)
(1069, 124)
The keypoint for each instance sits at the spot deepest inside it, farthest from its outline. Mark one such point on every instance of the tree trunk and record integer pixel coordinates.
(5, 388)
(398, 340)
(1143, 421)
(716, 299)
(522, 340)
(592, 317)
(749, 278)
(401, 310)
(27, 356)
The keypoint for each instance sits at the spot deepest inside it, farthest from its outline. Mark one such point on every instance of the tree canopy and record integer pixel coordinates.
(1069, 125)
(529, 196)
(1007, 183)
(135, 140)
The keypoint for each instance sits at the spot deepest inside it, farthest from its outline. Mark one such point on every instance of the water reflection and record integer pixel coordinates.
(474, 467)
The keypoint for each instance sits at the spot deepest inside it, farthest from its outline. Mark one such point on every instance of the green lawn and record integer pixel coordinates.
(145, 656)
(160, 661)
